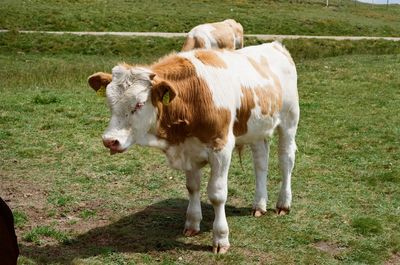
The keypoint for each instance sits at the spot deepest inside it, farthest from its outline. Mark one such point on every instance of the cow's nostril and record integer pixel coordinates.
(115, 143)
(111, 143)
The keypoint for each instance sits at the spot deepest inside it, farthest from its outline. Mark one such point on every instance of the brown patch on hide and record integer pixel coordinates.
(99, 80)
(258, 67)
(269, 99)
(192, 112)
(173, 67)
(223, 35)
(192, 43)
(199, 43)
(189, 44)
(275, 78)
(243, 114)
(210, 58)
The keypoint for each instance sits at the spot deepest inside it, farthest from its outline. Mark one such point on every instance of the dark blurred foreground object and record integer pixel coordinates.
(8, 240)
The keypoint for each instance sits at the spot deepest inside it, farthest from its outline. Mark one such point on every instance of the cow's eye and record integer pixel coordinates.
(138, 106)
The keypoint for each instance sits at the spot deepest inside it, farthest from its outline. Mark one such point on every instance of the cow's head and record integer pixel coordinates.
(132, 95)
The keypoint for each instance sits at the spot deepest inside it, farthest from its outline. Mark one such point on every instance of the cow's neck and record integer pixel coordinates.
(152, 140)
(148, 136)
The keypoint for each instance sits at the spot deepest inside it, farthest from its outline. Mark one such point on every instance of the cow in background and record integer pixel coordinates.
(196, 106)
(227, 34)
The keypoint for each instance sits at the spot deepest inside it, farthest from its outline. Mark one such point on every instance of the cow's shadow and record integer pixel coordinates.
(156, 228)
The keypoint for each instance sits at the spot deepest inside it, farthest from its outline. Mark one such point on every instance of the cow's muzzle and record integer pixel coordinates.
(113, 144)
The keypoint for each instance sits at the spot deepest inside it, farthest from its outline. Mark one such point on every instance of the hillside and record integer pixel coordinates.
(308, 17)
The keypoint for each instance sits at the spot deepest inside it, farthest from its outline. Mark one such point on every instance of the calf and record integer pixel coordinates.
(227, 34)
(196, 106)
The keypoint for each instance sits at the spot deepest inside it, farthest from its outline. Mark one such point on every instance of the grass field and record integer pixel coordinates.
(307, 17)
(75, 204)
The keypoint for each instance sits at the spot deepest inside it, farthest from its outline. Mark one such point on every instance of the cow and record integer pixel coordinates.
(196, 106)
(9, 250)
(227, 34)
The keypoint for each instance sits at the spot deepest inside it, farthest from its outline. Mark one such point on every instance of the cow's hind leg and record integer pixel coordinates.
(287, 150)
(193, 213)
(217, 190)
(260, 151)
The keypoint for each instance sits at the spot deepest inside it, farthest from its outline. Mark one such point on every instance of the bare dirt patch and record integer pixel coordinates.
(330, 248)
(394, 259)
(24, 195)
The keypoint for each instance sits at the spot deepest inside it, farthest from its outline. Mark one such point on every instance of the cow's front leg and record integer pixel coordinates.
(217, 190)
(193, 213)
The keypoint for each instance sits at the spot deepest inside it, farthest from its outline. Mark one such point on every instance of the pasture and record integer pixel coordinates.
(299, 17)
(73, 203)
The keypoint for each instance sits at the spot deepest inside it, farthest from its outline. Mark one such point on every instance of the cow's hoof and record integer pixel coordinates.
(282, 211)
(190, 232)
(220, 249)
(258, 213)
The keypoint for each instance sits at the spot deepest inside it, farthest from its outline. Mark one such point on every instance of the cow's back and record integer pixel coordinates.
(257, 84)
(218, 35)
(250, 87)
(275, 58)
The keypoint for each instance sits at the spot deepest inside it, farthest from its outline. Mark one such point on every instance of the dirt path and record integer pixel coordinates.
(173, 34)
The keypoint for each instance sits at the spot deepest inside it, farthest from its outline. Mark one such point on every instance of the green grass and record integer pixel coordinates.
(307, 17)
(20, 218)
(74, 203)
(367, 226)
(40, 232)
(147, 49)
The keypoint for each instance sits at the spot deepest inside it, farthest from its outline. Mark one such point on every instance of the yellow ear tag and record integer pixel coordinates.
(165, 99)
(101, 92)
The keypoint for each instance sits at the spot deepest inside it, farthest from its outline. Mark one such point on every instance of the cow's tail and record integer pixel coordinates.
(239, 149)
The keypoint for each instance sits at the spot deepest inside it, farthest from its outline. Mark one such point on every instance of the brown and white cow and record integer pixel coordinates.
(227, 34)
(196, 106)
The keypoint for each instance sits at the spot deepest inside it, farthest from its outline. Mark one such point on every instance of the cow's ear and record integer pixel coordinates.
(99, 80)
(163, 92)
